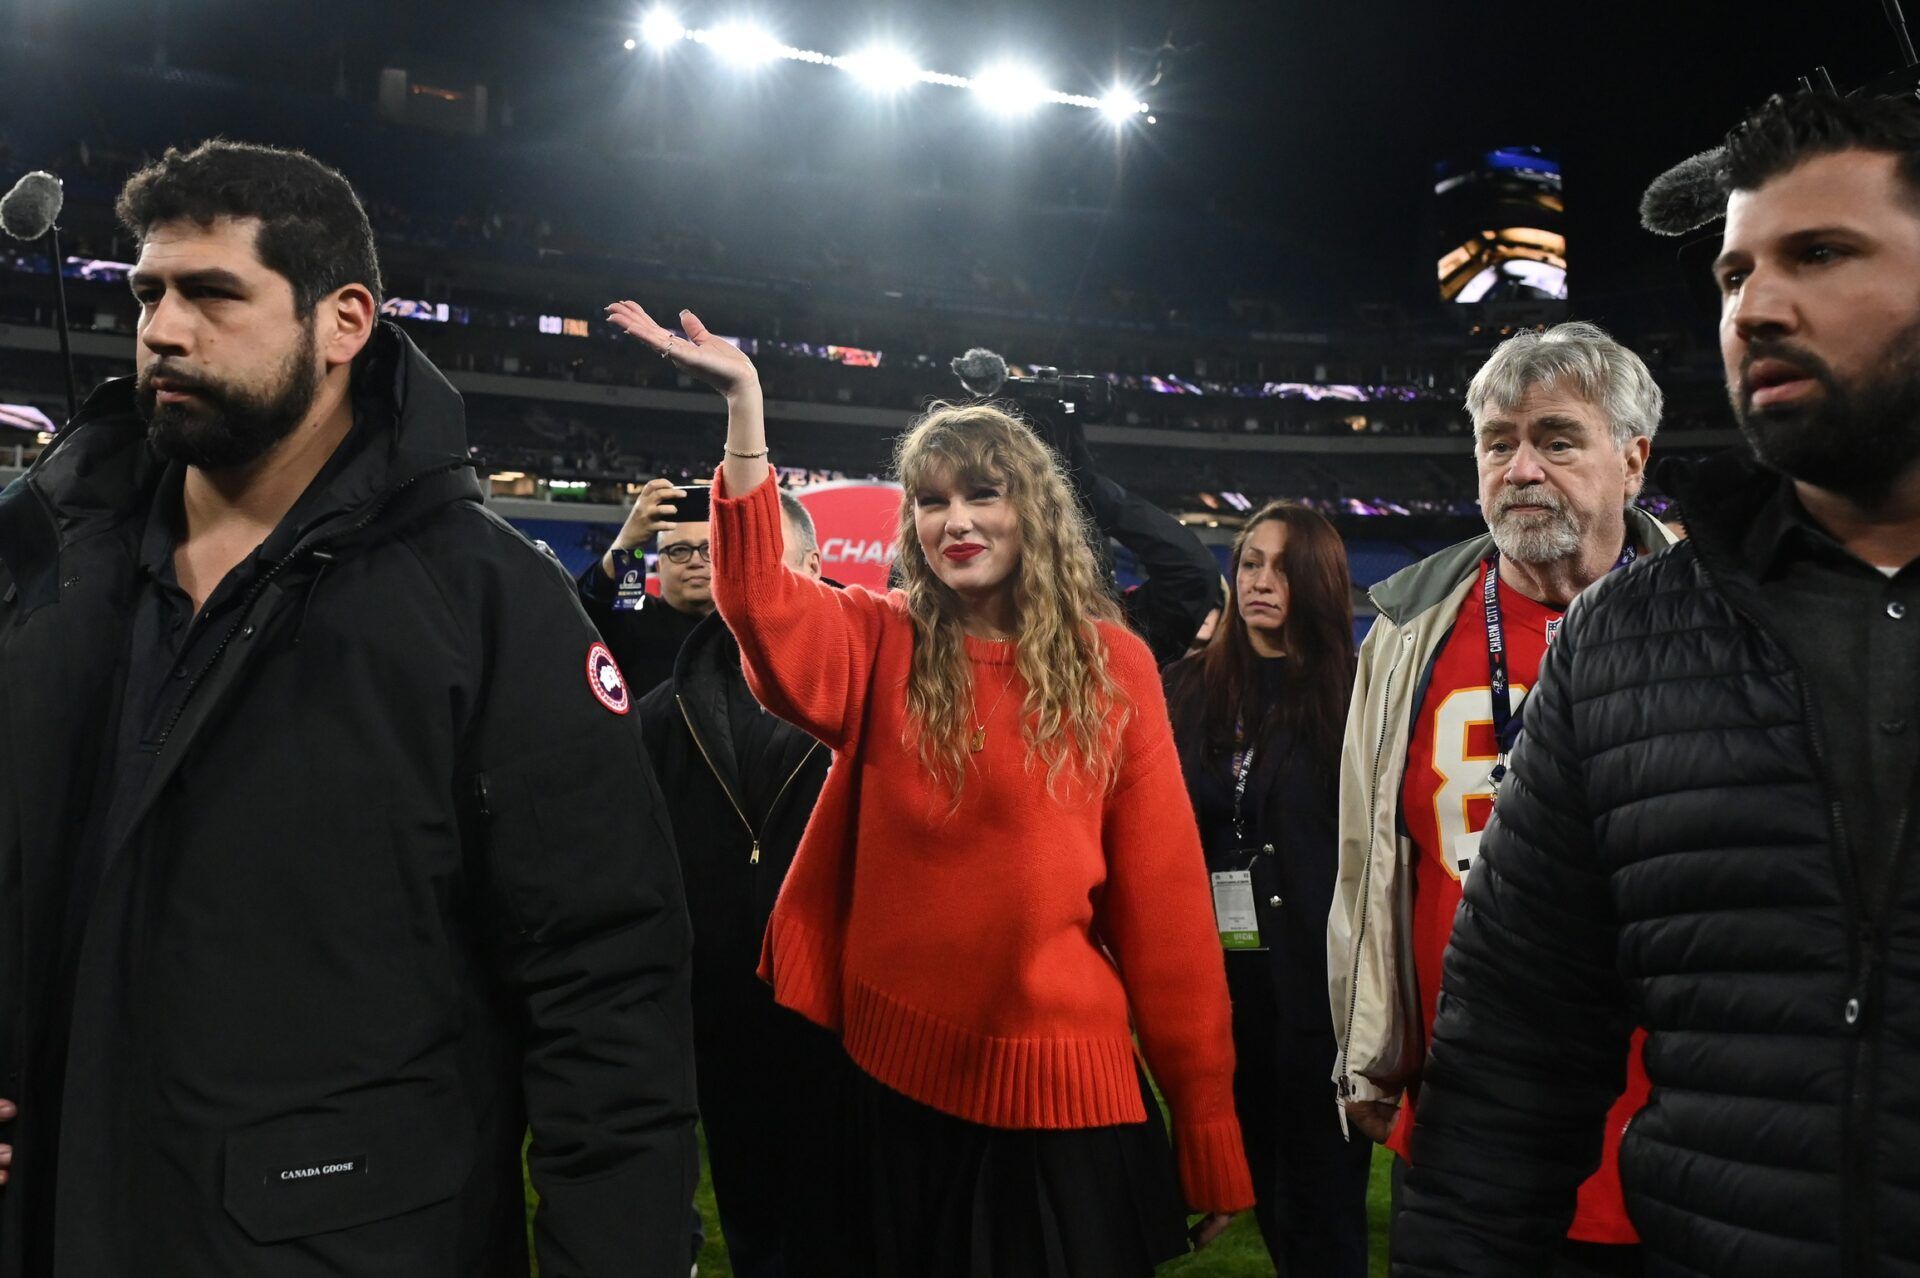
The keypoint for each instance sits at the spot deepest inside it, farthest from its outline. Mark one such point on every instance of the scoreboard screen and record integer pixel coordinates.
(1501, 221)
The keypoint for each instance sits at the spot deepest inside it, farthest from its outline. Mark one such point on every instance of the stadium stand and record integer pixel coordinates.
(499, 253)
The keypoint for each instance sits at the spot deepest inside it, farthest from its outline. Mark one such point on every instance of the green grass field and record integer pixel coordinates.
(1238, 1253)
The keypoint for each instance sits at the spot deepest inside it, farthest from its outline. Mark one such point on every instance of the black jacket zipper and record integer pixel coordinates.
(316, 542)
(1856, 1149)
(1866, 941)
(754, 858)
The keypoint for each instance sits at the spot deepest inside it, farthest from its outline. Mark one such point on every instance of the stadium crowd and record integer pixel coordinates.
(351, 845)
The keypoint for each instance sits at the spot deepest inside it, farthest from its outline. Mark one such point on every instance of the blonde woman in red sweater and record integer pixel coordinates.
(1002, 882)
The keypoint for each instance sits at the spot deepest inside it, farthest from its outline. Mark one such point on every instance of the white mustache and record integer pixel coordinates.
(1511, 497)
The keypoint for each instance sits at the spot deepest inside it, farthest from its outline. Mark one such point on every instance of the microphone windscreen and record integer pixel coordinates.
(981, 371)
(29, 210)
(1687, 196)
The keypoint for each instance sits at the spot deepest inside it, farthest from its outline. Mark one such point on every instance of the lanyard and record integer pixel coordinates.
(1244, 766)
(1506, 724)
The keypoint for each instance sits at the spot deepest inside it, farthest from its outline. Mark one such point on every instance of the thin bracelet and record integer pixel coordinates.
(735, 453)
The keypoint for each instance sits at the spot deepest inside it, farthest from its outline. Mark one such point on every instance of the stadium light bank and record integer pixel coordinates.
(1003, 88)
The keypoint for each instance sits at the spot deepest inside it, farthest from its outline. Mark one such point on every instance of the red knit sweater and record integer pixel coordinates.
(983, 960)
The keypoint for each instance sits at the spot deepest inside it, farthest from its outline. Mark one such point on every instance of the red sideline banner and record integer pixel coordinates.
(855, 521)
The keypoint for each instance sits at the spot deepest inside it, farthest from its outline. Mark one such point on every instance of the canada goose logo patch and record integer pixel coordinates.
(318, 1171)
(605, 679)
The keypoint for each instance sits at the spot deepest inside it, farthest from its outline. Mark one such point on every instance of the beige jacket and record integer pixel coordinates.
(1370, 972)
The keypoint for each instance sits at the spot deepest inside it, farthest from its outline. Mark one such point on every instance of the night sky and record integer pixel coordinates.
(1316, 121)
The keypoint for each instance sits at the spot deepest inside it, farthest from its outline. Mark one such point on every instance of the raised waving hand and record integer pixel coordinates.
(721, 365)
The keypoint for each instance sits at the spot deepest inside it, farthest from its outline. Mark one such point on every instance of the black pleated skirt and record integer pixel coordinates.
(951, 1199)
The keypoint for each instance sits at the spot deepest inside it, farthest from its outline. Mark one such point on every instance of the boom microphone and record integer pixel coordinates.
(1898, 21)
(1687, 196)
(981, 371)
(28, 211)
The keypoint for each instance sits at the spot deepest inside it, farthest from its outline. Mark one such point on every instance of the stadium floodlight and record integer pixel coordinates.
(630, 44)
(742, 43)
(660, 28)
(1007, 88)
(880, 68)
(1121, 104)
(1010, 89)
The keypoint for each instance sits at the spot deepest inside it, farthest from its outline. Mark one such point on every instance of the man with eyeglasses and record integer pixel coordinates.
(741, 786)
(646, 639)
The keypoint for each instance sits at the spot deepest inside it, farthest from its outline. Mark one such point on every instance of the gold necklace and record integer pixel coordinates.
(979, 741)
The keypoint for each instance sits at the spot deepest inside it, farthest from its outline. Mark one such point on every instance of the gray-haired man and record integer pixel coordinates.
(1563, 421)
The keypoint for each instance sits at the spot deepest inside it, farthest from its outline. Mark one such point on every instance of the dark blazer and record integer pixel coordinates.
(370, 929)
(1296, 861)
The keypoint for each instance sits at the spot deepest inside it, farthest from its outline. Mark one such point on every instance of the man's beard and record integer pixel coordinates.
(226, 426)
(1533, 539)
(1856, 440)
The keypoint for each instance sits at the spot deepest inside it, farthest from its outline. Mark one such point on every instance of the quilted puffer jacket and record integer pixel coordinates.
(1668, 852)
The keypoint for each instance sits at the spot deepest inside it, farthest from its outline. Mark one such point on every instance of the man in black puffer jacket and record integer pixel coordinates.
(1708, 827)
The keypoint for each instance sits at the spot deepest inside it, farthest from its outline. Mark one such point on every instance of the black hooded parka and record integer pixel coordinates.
(365, 925)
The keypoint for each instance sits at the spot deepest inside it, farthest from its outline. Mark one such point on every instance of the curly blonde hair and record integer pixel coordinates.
(1069, 714)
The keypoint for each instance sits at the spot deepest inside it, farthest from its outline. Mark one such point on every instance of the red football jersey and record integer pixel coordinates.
(1445, 802)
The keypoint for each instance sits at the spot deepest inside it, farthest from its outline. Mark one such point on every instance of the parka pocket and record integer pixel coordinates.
(293, 1177)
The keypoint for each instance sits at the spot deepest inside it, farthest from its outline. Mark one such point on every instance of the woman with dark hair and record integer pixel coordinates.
(1258, 716)
(1000, 882)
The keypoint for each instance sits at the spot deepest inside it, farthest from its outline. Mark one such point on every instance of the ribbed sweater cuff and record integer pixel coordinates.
(749, 541)
(803, 970)
(1213, 1166)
